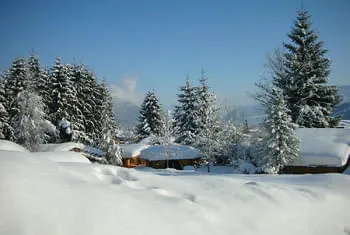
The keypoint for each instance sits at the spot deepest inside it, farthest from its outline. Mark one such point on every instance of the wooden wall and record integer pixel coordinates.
(161, 164)
(315, 169)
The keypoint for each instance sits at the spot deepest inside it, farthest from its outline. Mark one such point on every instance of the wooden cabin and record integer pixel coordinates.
(132, 153)
(159, 156)
(322, 150)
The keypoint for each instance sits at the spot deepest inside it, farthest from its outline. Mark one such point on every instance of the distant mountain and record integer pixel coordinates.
(344, 108)
(126, 113)
(345, 93)
(254, 114)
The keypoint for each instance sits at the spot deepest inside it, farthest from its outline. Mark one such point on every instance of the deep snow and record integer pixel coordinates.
(40, 196)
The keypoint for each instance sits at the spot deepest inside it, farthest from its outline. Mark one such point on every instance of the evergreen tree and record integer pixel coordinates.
(208, 118)
(105, 116)
(165, 137)
(150, 121)
(43, 90)
(228, 138)
(29, 123)
(281, 146)
(16, 82)
(113, 154)
(34, 71)
(5, 126)
(63, 105)
(87, 91)
(304, 80)
(186, 115)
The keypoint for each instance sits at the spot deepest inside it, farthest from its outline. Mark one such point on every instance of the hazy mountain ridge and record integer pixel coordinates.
(127, 113)
(344, 108)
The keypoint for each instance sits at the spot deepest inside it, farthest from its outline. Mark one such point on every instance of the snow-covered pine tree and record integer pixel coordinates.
(208, 119)
(150, 121)
(186, 115)
(5, 126)
(106, 125)
(82, 107)
(35, 72)
(165, 137)
(281, 146)
(43, 89)
(29, 124)
(64, 101)
(16, 82)
(88, 90)
(228, 138)
(113, 154)
(306, 76)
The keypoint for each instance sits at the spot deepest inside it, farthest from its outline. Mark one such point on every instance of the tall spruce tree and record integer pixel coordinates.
(186, 115)
(43, 89)
(4, 117)
(63, 105)
(304, 80)
(208, 119)
(105, 117)
(150, 121)
(35, 72)
(16, 82)
(281, 146)
(87, 90)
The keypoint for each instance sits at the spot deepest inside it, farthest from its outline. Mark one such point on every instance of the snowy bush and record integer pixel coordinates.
(29, 123)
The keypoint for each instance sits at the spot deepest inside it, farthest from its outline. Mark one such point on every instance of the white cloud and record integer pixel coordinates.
(126, 90)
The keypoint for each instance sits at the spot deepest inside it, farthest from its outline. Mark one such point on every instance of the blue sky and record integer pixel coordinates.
(141, 45)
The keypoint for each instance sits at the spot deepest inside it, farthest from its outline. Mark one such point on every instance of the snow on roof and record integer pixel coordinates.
(132, 150)
(69, 146)
(170, 152)
(323, 147)
(11, 146)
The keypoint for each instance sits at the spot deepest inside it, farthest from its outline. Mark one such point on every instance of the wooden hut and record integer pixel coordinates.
(159, 156)
(322, 150)
(132, 153)
(170, 156)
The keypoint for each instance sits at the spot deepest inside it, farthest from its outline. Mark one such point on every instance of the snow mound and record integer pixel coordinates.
(63, 156)
(170, 152)
(69, 146)
(39, 196)
(11, 146)
(323, 147)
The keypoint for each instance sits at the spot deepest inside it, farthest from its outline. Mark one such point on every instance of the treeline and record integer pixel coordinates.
(195, 121)
(296, 94)
(51, 105)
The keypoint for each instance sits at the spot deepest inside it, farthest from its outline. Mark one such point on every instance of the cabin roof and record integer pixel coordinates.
(170, 152)
(323, 147)
(133, 150)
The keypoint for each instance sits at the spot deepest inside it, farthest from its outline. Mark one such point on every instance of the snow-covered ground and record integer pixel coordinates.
(41, 196)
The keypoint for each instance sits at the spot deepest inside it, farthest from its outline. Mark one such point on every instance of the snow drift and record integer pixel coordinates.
(39, 196)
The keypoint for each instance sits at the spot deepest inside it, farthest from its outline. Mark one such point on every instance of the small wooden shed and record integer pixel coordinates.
(132, 153)
(322, 150)
(171, 156)
(159, 156)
